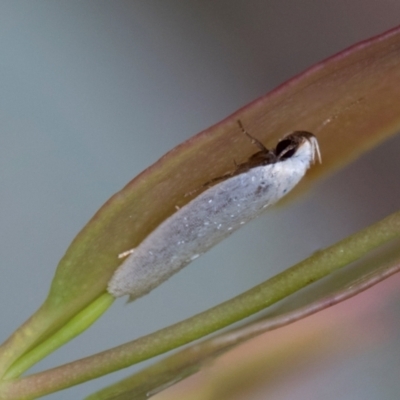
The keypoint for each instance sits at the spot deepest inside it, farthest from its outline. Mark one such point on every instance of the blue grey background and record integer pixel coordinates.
(93, 92)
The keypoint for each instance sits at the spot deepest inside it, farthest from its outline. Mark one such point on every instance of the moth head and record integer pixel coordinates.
(298, 144)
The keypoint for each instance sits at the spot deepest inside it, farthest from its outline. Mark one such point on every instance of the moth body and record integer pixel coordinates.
(212, 216)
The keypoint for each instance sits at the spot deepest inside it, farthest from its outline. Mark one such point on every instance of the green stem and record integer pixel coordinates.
(25, 337)
(282, 285)
(189, 360)
(71, 329)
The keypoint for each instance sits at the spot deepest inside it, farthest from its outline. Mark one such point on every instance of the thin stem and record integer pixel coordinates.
(282, 285)
(188, 361)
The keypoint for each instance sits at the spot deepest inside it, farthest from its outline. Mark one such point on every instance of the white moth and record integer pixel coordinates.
(229, 202)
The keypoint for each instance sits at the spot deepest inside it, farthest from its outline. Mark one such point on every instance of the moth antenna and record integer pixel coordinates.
(253, 139)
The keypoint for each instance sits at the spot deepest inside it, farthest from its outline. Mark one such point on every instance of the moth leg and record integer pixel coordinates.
(253, 139)
(126, 253)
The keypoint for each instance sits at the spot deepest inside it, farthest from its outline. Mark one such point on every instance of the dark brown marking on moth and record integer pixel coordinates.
(287, 146)
(285, 149)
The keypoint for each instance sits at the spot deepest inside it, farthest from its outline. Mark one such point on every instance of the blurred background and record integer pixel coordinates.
(93, 92)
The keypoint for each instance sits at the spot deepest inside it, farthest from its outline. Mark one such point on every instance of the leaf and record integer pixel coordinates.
(350, 101)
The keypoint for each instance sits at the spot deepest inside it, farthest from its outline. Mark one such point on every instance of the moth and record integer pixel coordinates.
(227, 203)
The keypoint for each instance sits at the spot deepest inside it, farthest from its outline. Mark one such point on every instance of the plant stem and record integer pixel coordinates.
(71, 329)
(282, 285)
